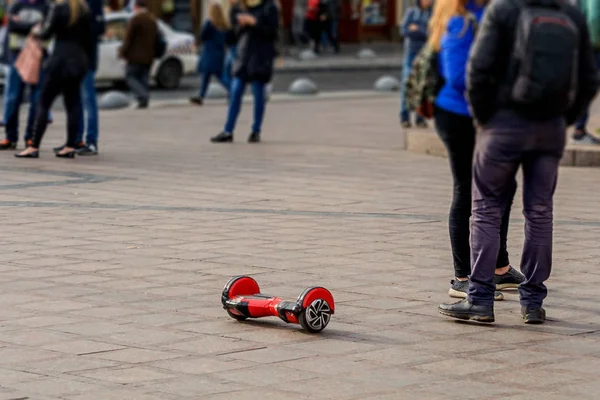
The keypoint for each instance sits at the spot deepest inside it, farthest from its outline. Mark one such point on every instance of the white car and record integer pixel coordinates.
(181, 57)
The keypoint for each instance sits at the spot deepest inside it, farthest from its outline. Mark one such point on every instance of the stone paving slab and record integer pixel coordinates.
(112, 266)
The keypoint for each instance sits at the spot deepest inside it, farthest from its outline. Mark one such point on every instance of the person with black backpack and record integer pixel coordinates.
(531, 72)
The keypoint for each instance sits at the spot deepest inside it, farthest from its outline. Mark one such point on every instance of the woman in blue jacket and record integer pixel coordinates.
(414, 30)
(453, 27)
(212, 59)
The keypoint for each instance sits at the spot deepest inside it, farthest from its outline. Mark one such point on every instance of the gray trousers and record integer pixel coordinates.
(137, 77)
(507, 142)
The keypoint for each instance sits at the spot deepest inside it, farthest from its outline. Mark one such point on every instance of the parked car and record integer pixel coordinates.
(181, 57)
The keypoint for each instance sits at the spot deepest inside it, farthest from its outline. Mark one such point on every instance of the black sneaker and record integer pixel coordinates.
(533, 315)
(7, 145)
(458, 289)
(467, 311)
(510, 280)
(88, 150)
(222, 137)
(254, 137)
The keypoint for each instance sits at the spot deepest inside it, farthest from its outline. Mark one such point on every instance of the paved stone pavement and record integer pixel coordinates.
(112, 267)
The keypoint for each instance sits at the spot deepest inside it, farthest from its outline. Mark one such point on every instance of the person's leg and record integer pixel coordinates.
(458, 134)
(258, 91)
(13, 98)
(328, 29)
(238, 87)
(34, 95)
(72, 100)
(204, 82)
(136, 82)
(49, 91)
(91, 108)
(5, 110)
(145, 78)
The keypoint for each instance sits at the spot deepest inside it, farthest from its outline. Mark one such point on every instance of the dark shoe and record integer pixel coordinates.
(406, 124)
(421, 124)
(70, 154)
(196, 100)
(222, 137)
(254, 137)
(583, 137)
(510, 280)
(142, 105)
(78, 147)
(87, 150)
(467, 311)
(458, 289)
(35, 154)
(7, 145)
(533, 316)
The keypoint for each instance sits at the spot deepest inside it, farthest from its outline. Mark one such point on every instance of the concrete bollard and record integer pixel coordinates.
(387, 83)
(307, 55)
(114, 100)
(303, 86)
(216, 91)
(366, 54)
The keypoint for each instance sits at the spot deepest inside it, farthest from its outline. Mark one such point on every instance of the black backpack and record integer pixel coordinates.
(545, 58)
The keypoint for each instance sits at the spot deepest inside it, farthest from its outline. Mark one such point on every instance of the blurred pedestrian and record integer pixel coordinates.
(257, 34)
(88, 89)
(591, 10)
(69, 22)
(414, 29)
(231, 40)
(139, 50)
(329, 23)
(212, 59)
(522, 117)
(312, 22)
(23, 15)
(453, 27)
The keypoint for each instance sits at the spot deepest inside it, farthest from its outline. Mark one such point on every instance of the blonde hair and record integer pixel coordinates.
(443, 10)
(76, 8)
(216, 15)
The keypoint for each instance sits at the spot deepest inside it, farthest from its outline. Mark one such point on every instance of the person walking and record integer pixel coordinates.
(212, 59)
(257, 33)
(69, 22)
(88, 89)
(138, 50)
(231, 41)
(453, 26)
(312, 23)
(523, 97)
(328, 28)
(414, 29)
(23, 15)
(591, 10)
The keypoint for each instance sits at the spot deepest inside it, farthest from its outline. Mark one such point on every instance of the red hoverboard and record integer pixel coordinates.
(312, 310)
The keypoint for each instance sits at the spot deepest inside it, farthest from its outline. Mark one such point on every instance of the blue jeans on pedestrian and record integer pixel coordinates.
(407, 62)
(90, 105)
(205, 80)
(12, 103)
(507, 142)
(227, 77)
(238, 87)
(582, 121)
(334, 33)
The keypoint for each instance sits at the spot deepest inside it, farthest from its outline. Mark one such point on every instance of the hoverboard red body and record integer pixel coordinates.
(312, 310)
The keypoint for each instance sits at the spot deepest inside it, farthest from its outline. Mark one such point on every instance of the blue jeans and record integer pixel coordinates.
(582, 121)
(236, 94)
(334, 33)
(205, 80)
(407, 62)
(90, 104)
(12, 103)
(231, 56)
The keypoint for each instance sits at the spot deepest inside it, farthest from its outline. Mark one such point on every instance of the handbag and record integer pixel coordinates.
(424, 82)
(29, 61)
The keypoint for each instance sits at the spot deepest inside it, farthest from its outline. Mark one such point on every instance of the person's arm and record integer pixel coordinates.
(207, 31)
(407, 21)
(99, 20)
(588, 76)
(267, 23)
(128, 40)
(482, 79)
(51, 21)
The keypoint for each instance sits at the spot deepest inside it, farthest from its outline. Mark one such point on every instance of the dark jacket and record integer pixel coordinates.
(414, 40)
(139, 46)
(98, 28)
(30, 13)
(231, 37)
(73, 43)
(488, 86)
(256, 44)
(213, 49)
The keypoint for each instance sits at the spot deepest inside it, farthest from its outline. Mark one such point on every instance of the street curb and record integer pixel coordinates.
(384, 67)
(282, 98)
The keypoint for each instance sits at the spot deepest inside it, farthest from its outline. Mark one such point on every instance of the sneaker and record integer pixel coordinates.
(78, 147)
(7, 145)
(533, 315)
(584, 138)
(510, 280)
(467, 311)
(222, 137)
(458, 289)
(254, 137)
(88, 150)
